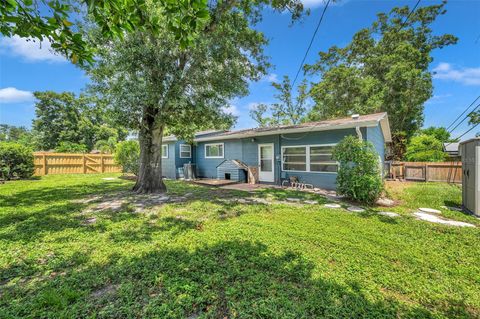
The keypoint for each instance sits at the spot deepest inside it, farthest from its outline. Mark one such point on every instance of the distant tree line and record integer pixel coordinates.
(67, 123)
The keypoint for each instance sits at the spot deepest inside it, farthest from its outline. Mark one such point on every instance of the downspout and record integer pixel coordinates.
(357, 128)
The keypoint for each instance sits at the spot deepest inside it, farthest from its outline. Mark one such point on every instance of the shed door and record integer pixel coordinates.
(266, 171)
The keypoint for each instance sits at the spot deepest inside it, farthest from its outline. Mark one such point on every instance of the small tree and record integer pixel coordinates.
(359, 177)
(127, 154)
(287, 110)
(425, 148)
(16, 161)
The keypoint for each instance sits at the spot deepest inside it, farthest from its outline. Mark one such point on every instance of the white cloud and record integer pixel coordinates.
(439, 98)
(253, 105)
(468, 76)
(13, 95)
(30, 50)
(231, 109)
(317, 3)
(272, 77)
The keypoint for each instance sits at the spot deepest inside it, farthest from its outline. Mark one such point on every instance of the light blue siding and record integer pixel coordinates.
(246, 150)
(207, 167)
(168, 164)
(324, 180)
(375, 135)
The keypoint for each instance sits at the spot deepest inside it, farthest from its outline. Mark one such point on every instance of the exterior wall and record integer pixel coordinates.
(207, 167)
(374, 135)
(250, 152)
(246, 150)
(168, 164)
(324, 180)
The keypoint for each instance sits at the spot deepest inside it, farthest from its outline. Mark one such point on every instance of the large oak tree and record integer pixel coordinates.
(152, 83)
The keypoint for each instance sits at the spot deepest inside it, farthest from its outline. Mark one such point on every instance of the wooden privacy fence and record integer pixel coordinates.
(70, 163)
(450, 172)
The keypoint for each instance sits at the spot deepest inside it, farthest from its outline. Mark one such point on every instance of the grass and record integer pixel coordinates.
(210, 257)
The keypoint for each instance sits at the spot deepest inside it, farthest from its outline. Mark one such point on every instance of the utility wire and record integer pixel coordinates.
(458, 138)
(466, 109)
(311, 42)
(466, 116)
(408, 16)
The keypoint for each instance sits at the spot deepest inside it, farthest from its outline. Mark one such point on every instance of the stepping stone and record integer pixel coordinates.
(355, 209)
(385, 202)
(332, 205)
(389, 214)
(310, 202)
(108, 178)
(290, 199)
(435, 219)
(429, 210)
(456, 209)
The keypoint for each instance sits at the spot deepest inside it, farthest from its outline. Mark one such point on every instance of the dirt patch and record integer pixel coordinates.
(105, 291)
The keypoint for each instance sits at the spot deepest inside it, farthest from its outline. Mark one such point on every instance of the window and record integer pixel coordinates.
(311, 158)
(164, 150)
(321, 159)
(214, 150)
(185, 151)
(295, 158)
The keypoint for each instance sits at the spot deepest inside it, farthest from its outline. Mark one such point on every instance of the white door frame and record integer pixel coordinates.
(266, 176)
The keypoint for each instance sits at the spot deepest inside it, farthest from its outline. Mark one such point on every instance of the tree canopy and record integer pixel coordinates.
(384, 68)
(425, 148)
(64, 121)
(54, 20)
(152, 84)
(288, 110)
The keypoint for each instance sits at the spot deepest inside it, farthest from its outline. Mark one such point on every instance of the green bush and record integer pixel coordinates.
(69, 147)
(16, 161)
(359, 176)
(127, 154)
(425, 148)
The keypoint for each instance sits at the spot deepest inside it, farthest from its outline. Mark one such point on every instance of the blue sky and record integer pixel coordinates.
(24, 67)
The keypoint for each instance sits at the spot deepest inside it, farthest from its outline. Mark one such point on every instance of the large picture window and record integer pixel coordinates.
(321, 159)
(214, 150)
(164, 150)
(295, 158)
(185, 151)
(309, 158)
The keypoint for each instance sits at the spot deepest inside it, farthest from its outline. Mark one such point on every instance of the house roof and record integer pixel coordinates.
(451, 148)
(369, 120)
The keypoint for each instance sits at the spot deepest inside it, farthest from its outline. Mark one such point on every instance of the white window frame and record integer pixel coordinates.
(165, 154)
(307, 150)
(215, 144)
(189, 150)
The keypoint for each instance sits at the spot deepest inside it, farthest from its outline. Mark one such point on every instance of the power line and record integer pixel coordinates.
(311, 42)
(408, 16)
(458, 138)
(466, 109)
(466, 116)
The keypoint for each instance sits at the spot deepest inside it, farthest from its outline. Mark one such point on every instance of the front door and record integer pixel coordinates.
(266, 171)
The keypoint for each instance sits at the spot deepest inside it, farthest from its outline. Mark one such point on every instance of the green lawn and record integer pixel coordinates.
(210, 257)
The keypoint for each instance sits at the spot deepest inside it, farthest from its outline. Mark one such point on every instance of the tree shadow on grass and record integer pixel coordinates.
(224, 280)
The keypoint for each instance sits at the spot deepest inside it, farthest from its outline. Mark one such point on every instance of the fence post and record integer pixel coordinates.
(84, 164)
(44, 168)
(426, 172)
(102, 168)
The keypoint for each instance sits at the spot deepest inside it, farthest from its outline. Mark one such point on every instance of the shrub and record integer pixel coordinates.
(425, 148)
(16, 161)
(359, 176)
(69, 147)
(127, 154)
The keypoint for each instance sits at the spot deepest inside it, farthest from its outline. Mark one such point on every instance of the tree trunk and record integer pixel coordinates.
(150, 172)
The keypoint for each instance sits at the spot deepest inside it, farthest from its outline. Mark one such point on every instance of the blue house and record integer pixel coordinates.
(303, 151)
